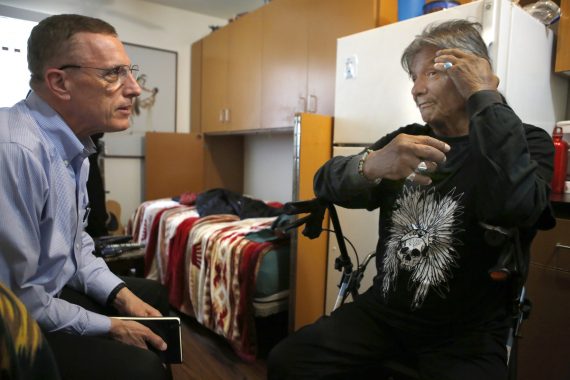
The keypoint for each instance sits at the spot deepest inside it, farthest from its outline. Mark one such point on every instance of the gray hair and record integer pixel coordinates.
(52, 38)
(458, 34)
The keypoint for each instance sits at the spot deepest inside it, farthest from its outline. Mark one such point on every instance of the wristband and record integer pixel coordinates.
(374, 181)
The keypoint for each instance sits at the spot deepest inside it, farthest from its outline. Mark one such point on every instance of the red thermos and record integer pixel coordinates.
(560, 161)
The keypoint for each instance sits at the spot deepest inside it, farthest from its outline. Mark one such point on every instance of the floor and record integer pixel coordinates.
(209, 357)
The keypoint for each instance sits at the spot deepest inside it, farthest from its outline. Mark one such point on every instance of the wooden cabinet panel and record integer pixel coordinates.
(214, 79)
(244, 77)
(563, 44)
(544, 346)
(313, 136)
(174, 164)
(196, 88)
(284, 62)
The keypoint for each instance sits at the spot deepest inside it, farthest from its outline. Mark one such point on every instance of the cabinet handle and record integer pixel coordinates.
(302, 106)
(312, 104)
(227, 115)
(558, 245)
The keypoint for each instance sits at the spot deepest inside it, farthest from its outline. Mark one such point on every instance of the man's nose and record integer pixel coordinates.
(132, 87)
(418, 88)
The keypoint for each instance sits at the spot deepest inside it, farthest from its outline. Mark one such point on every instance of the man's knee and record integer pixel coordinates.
(277, 361)
(293, 356)
(148, 366)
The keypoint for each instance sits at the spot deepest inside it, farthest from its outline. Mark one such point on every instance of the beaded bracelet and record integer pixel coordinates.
(375, 181)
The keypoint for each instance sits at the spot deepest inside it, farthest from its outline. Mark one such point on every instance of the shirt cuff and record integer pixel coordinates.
(481, 100)
(355, 179)
(96, 324)
(114, 293)
(103, 284)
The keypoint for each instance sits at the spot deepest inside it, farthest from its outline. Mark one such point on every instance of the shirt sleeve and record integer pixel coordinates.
(514, 163)
(93, 276)
(24, 190)
(339, 181)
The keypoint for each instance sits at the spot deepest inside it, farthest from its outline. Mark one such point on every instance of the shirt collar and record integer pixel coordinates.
(57, 131)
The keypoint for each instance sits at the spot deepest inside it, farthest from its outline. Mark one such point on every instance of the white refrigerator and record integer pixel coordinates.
(373, 94)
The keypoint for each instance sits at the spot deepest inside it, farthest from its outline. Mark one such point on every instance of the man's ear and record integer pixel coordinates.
(56, 82)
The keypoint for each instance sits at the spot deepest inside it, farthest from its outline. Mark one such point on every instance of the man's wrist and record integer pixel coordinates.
(114, 292)
(374, 181)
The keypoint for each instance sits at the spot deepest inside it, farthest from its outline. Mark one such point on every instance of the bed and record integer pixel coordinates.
(220, 258)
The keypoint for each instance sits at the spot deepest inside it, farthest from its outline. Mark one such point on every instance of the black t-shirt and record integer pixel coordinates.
(432, 259)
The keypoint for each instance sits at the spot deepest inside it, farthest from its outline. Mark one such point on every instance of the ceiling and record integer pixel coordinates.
(225, 9)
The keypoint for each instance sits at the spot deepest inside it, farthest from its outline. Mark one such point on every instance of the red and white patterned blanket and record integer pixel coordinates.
(209, 268)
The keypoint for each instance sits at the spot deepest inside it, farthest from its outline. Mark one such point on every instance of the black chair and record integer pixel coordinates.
(507, 267)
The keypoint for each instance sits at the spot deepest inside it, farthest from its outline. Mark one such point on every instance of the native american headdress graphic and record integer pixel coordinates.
(422, 241)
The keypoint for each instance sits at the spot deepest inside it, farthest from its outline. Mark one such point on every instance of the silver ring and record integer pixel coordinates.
(411, 177)
(447, 65)
(422, 167)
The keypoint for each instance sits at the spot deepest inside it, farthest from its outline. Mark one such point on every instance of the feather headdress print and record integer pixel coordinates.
(422, 241)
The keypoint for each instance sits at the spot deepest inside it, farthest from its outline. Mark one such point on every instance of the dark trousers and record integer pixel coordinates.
(86, 357)
(354, 341)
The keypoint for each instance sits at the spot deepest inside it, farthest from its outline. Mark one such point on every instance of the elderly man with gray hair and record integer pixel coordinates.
(473, 163)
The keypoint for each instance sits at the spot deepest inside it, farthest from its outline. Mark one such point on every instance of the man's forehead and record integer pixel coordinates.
(99, 46)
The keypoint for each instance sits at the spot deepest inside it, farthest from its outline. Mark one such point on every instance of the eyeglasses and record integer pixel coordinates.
(116, 74)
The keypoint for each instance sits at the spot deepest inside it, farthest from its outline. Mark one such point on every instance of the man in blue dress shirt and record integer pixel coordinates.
(82, 83)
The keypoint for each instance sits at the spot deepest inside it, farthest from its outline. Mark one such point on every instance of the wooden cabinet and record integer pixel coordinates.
(563, 44)
(284, 56)
(260, 70)
(244, 73)
(544, 346)
(230, 79)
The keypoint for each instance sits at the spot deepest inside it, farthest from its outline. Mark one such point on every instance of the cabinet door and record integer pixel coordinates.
(214, 79)
(284, 62)
(244, 78)
(544, 346)
(327, 21)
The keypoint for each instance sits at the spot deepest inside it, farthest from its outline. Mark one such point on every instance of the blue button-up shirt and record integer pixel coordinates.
(43, 209)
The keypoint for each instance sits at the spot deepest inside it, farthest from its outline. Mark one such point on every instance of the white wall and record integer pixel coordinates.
(143, 23)
(268, 166)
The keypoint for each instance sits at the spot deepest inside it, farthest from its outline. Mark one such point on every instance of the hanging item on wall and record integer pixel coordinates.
(147, 97)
